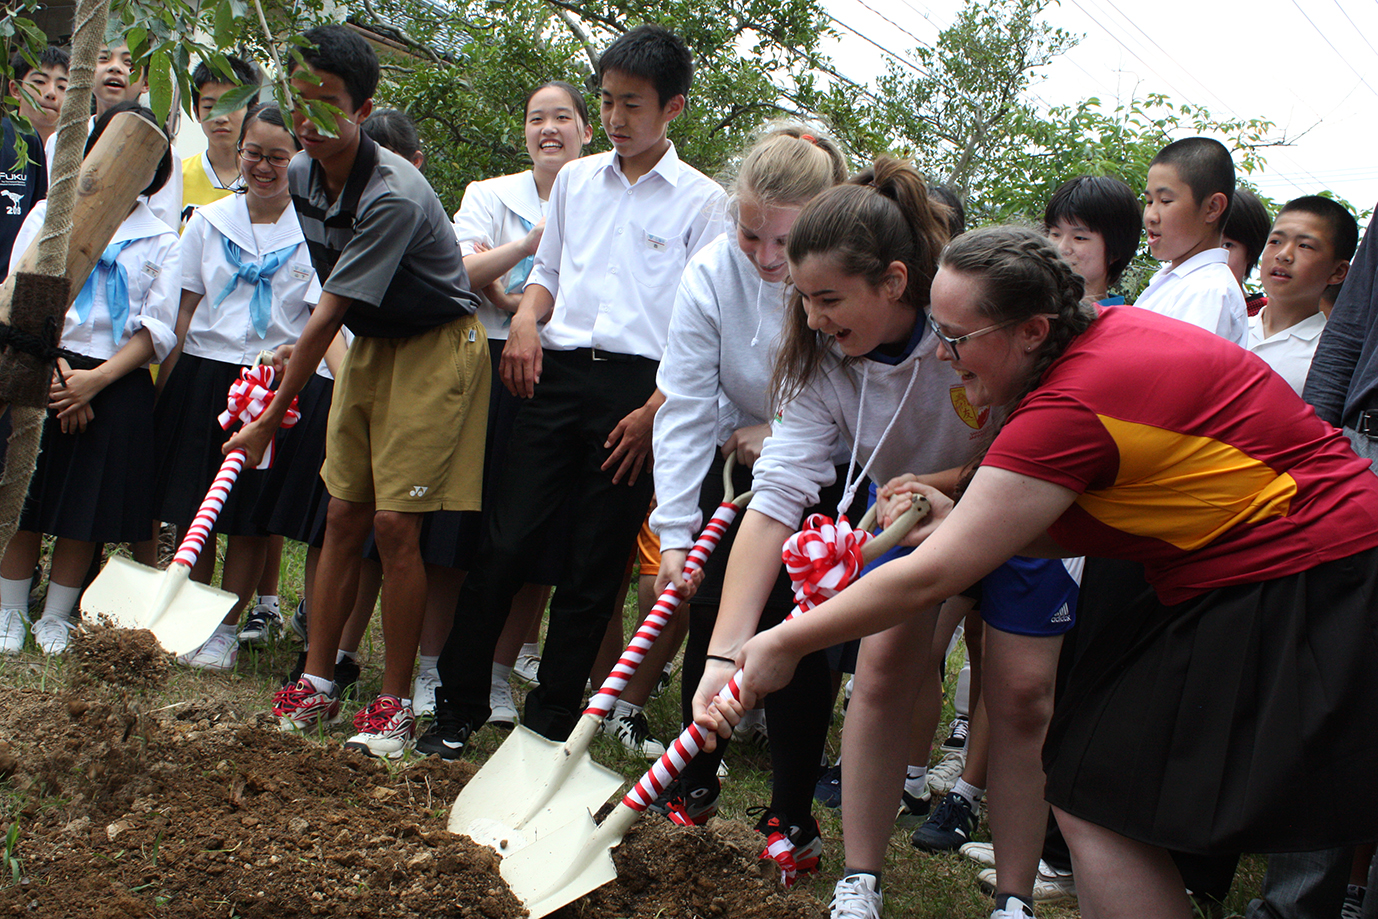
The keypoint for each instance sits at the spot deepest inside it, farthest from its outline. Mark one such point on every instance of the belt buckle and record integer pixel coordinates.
(598, 354)
(1366, 422)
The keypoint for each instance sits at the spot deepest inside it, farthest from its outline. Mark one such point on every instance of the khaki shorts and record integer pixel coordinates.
(408, 421)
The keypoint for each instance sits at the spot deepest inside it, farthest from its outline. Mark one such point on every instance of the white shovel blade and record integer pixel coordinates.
(501, 792)
(538, 874)
(179, 612)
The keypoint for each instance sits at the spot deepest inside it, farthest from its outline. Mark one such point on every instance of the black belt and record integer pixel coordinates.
(599, 354)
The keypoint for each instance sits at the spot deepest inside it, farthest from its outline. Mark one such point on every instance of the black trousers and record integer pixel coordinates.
(552, 480)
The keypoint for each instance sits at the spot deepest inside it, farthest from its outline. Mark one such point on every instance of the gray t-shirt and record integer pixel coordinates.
(386, 244)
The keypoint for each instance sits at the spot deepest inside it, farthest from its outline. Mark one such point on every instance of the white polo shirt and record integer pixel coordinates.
(1288, 352)
(614, 284)
(1202, 290)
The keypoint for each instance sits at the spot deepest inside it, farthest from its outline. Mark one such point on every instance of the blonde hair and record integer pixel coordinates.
(789, 163)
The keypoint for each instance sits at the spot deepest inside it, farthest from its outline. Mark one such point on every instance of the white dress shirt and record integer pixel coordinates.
(614, 283)
(1288, 352)
(1201, 290)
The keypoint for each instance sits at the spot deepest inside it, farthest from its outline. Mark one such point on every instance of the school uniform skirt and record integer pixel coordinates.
(189, 437)
(97, 486)
(293, 500)
(1195, 726)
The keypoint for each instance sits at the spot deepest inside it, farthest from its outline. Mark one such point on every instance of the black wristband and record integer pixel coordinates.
(719, 657)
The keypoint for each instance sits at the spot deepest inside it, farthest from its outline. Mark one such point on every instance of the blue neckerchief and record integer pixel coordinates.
(259, 274)
(116, 289)
(1110, 301)
(916, 336)
(522, 270)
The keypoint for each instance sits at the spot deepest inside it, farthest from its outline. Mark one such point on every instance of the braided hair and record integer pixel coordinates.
(1021, 275)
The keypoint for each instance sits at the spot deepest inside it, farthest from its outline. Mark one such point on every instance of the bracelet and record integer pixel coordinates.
(719, 657)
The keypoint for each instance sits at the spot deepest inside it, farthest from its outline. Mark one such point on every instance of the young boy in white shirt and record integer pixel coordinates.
(619, 228)
(1190, 186)
(1308, 251)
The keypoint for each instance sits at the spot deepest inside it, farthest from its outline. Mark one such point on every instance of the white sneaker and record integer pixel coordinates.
(982, 853)
(218, 653)
(423, 692)
(1015, 908)
(752, 730)
(526, 668)
(857, 896)
(14, 628)
(504, 710)
(52, 634)
(1050, 885)
(942, 777)
(632, 729)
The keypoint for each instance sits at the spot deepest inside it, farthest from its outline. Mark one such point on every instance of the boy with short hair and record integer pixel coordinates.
(408, 419)
(1307, 251)
(1190, 185)
(619, 229)
(40, 91)
(212, 175)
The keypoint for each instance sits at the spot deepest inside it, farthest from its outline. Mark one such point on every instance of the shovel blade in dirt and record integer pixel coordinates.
(567, 863)
(182, 614)
(510, 802)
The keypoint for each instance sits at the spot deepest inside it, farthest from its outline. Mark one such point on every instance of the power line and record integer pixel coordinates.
(1332, 47)
(892, 22)
(1358, 31)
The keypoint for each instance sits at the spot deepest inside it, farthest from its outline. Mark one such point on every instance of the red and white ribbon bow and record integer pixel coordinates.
(249, 397)
(823, 558)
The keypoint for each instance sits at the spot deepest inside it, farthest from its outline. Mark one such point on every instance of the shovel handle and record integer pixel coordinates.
(204, 520)
(690, 741)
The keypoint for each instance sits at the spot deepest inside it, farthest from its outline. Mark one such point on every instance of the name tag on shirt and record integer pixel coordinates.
(152, 270)
(657, 243)
(301, 274)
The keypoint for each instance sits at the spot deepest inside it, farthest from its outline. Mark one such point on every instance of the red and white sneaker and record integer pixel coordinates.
(797, 850)
(302, 707)
(385, 728)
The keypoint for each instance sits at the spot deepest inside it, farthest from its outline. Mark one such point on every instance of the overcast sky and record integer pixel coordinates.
(1310, 66)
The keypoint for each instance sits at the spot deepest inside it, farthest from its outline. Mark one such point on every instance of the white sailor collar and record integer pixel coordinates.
(518, 194)
(141, 223)
(230, 216)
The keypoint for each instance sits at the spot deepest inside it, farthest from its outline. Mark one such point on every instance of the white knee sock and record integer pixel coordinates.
(14, 593)
(61, 601)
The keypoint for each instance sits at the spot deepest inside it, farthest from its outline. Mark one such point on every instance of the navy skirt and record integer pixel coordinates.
(293, 500)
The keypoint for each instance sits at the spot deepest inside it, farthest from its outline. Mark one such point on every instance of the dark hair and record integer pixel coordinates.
(653, 53)
(882, 215)
(576, 98)
(1344, 229)
(1203, 164)
(1248, 224)
(1103, 205)
(341, 51)
(51, 56)
(160, 175)
(394, 129)
(268, 113)
(956, 213)
(245, 74)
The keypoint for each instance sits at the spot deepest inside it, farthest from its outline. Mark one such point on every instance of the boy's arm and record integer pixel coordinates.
(520, 368)
(631, 440)
(320, 331)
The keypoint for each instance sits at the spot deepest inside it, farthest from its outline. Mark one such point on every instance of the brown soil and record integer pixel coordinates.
(190, 811)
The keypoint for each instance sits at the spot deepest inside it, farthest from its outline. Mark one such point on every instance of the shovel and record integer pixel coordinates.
(532, 784)
(183, 613)
(584, 848)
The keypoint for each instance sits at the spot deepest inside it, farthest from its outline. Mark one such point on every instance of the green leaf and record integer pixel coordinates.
(160, 85)
(234, 100)
(136, 38)
(224, 24)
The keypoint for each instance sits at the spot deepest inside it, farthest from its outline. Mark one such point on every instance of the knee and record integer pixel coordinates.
(396, 532)
(1021, 705)
(347, 517)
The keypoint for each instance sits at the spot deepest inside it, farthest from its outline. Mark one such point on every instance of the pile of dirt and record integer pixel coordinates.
(194, 811)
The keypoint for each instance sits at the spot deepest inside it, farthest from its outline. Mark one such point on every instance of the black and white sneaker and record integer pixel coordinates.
(261, 625)
(957, 737)
(448, 735)
(949, 827)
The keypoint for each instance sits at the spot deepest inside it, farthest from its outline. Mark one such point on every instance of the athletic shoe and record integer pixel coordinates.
(1050, 885)
(52, 633)
(262, 623)
(347, 673)
(857, 896)
(302, 707)
(752, 730)
(828, 791)
(423, 692)
(219, 652)
(526, 668)
(943, 776)
(1014, 908)
(957, 737)
(796, 849)
(949, 826)
(663, 683)
(687, 807)
(14, 628)
(297, 621)
(503, 710)
(1353, 906)
(385, 728)
(632, 729)
(447, 736)
(982, 853)
(913, 809)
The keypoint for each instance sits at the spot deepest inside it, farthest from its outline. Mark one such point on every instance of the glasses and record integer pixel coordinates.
(278, 160)
(952, 343)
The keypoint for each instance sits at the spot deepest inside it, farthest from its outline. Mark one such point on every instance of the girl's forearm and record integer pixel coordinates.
(751, 573)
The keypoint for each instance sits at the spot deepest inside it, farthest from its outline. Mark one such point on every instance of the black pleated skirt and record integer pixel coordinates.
(293, 500)
(1197, 726)
(97, 486)
(189, 437)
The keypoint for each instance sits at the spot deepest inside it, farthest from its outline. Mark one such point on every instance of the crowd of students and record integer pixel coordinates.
(1165, 695)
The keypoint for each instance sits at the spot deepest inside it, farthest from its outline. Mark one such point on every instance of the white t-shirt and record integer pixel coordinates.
(1288, 352)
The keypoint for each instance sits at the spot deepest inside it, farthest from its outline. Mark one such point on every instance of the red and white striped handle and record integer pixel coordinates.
(201, 524)
(660, 614)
